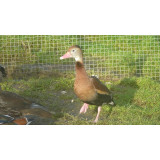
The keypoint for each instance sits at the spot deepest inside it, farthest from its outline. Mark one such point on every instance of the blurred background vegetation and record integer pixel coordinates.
(109, 56)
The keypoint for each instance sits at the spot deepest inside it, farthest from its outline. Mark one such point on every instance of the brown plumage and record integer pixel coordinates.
(9, 120)
(13, 107)
(83, 86)
(89, 89)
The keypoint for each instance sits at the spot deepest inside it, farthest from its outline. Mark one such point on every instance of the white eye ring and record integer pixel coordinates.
(73, 50)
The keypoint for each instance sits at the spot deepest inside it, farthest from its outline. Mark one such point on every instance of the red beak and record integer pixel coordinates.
(67, 55)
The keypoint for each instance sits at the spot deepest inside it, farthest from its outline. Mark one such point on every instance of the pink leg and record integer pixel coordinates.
(84, 108)
(99, 110)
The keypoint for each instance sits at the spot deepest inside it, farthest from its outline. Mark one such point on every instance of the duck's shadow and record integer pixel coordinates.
(124, 92)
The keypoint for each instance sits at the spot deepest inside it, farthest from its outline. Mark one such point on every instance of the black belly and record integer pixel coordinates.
(100, 99)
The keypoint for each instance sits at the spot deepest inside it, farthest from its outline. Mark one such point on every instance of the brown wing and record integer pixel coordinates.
(99, 86)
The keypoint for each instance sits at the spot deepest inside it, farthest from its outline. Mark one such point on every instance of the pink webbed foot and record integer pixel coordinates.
(84, 108)
(99, 110)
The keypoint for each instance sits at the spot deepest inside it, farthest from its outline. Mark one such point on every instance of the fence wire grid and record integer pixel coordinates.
(111, 56)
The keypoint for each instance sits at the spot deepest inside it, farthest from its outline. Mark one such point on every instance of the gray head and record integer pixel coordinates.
(74, 52)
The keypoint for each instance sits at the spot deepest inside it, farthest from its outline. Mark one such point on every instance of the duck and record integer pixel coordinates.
(7, 119)
(15, 109)
(89, 89)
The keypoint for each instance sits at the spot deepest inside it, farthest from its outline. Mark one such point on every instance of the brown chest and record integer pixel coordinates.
(84, 90)
(83, 86)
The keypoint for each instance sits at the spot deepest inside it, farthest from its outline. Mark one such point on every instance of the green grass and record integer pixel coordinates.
(121, 55)
(137, 99)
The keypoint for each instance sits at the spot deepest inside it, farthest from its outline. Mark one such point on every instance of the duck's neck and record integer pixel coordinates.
(79, 59)
(80, 70)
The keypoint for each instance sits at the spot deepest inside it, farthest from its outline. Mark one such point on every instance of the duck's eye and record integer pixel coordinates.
(73, 50)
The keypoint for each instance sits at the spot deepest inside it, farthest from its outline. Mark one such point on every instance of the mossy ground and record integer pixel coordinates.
(137, 100)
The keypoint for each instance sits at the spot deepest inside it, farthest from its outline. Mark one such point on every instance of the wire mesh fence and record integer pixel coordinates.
(111, 56)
